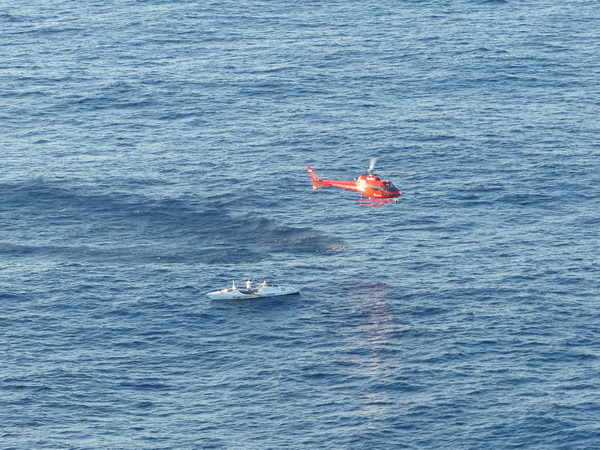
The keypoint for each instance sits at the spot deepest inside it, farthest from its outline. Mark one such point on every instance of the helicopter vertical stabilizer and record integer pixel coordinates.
(317, 186)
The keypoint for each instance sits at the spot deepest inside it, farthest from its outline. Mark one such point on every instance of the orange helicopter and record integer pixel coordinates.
(374, 191)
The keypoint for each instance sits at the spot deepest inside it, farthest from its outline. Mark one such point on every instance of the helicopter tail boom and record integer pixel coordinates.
(319, 183)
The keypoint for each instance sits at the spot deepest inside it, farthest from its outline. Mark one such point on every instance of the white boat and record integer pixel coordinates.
(262, 290)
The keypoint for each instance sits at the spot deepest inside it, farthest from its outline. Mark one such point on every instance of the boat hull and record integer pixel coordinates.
(268, 291)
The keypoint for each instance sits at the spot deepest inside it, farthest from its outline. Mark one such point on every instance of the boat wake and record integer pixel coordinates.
(94, 225)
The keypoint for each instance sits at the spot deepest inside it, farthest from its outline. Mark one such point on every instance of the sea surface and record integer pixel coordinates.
(153, 151)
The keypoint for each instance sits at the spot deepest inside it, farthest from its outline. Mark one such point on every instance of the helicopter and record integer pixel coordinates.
(374, 191)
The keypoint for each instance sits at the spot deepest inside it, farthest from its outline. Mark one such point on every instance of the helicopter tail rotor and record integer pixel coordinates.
(316, 182)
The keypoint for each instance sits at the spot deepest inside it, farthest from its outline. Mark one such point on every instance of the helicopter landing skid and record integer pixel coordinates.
(368, 201)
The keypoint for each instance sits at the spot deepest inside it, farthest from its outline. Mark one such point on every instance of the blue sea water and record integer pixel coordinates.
(155, 150)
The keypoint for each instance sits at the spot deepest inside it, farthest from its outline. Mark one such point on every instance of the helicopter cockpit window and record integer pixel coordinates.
(392, 187)
(375, 188)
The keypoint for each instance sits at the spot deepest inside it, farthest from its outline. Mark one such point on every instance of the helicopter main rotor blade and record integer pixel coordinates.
(372, 164)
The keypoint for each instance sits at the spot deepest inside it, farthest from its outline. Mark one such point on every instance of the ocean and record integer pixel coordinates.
(153, 151)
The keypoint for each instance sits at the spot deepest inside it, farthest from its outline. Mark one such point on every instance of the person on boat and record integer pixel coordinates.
(249, 284)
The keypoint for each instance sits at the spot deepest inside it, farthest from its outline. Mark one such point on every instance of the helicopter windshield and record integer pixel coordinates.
(391, 186)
